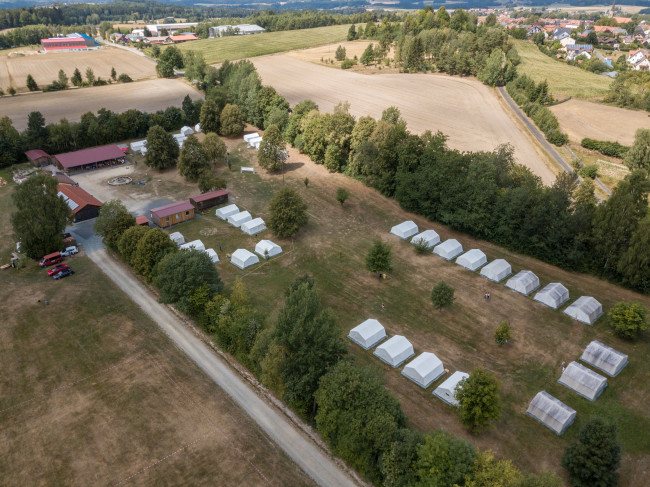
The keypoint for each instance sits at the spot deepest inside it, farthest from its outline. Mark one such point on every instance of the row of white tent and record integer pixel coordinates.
(241, 219)
(141, 145)
(585, 309)
(556, 415)
(243, 258)
(424, 370)
(253, 140)
(179, 239)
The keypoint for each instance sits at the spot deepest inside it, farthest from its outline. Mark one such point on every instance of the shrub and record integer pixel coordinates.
(379, 257)
(590, 171)
(502, 334)
(124, 78)
(605, 147)
(442, 295)
(421, 246)
(347, 64)
(342, 194)
(628, 319)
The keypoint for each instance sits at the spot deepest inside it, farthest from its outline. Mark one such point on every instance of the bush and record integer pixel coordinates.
(124, 78)
(628, 319)
(347, 64)
(421, 246)
(379, 257)
(502, 334)
(342, 194)
(606, 148)
(590, 171)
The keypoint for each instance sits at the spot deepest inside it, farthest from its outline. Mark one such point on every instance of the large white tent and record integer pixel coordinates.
(238, 219)
(253, 227)
(448, 249)
(424, 369)
(604, 358)
(266, 248)
(367, 334)
(524, 282)
(428, 238)
(585, 309)
(227, 211)
(177, 238)
(405, 229)
(472, 259)
(553, 295)
(213, 255)
(551, 412)
(497, 270)
(194, 244)
(242, 258)
(395, 351)
(249, 137)
(447, 390)
(582, 380)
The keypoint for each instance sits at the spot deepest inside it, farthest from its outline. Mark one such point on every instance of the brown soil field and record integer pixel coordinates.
(580, 119)
(467, 111)
(147, 96)
(44, 67)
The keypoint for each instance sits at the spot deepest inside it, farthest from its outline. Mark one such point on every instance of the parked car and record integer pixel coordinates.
(51, 259)
(64, 273)
(57, 269)
(70, 250)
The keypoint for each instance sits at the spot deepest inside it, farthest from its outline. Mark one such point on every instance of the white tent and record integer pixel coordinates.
(604, 358)
(582, 380)
(177, 238)
(248, 137)
(448, 249)
(138, 145)
(238, 219)
(524, 282)
(447, 390)
(367, 334)
(585, 309)
(194, 244)
(179, 138)
(187, 130)
(424, 369)
(395, 351)
(553, 295)
(405, 229)
(266, 248)
(213, 255)
(253, 227)
(472, 259)
(255, 142)
(227, 211)
(551, 412)
(197, 128)
(428, 237)
(242, 258)
(497, 270)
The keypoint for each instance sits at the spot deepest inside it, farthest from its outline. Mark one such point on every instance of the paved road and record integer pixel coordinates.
(302, 450)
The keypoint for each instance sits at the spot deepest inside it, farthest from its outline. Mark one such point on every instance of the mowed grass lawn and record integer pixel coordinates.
(563, 80)
(238, 47)
(332, 248)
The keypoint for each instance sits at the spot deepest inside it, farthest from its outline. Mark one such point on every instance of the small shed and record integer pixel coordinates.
(194, 244)
(553, 295)
(405, 229)
(238, 219)
(142, 221)
(447, 390)
(227, 211)
(551, 412)
(177, 238)
(209, 199)
(449, 249)
(187, 131)
(582, 380)
(472, 260)
(585, 309)
(497, 270)
(424, 370)
(242, 258)
(395, 351)
(429, 238)
(367, 334)
(604, 358)
(253, 227)
(266, 249)
(251, 136)
(165, 216)
(213, 255)
(39, 157)
(524, 282)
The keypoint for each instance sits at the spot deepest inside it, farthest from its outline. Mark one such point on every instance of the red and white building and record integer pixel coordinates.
(71, 42)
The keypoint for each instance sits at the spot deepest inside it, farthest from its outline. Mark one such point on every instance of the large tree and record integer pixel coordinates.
(444, 460)
(11, 143)
(31, 83)
(41, 215)
(232, 121)
(214, 147)
(162, 149)
(397, 464)
(288, 213)
(172, 55)
(479, 400)
(379, 257)
(36, 133)
(272, 152)
(638, 157)
(113, 220)
(442, 295)
(193, 160)
(151, 249)
(210, 117)
(628, 319)
(487, 471)
(634, 264)
(128, 242)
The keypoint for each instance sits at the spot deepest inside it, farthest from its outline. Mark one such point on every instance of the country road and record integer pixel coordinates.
(303, 451)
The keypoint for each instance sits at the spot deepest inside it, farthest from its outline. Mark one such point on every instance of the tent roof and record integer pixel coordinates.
(604, 358)
(264, 246)
(243, 258)
(582, 380)
(472, 259)
(497, 270)
(524, 282)
(225, 211)
(395, 351)
(194, 244)
(430, 237)
(405, 229)
(448, 249)
(424, 369)
(446, 391)
(368, 333)
(553, 295)
(585, 309)
(213, 255)
(551, 412)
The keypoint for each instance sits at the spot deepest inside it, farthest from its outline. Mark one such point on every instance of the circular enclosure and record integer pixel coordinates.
(120, 180)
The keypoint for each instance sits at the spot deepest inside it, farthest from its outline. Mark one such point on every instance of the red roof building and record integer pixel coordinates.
(142, 221)
(165, 216)
(38, 157)
(90, 158)
(209, 199)
(71, 42)
(183, 38)
(83, 205)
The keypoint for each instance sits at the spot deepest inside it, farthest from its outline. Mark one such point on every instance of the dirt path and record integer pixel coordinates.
(302, 450)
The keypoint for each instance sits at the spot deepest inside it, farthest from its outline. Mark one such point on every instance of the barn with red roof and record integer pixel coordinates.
(83, 205)
(106, 155)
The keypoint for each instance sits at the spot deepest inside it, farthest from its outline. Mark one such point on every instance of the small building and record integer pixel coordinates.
(187, 131)
(497, 270)
(472, 260)
(177, 238)
(70, 42)
(267, 249)
(239, 29)
(177, 39)
(253, 227)
(93, 158)
(227, 211)
(395, 351)
(551, 412)
(424, 370)
(367, 334)
(585, 309)
(582, 380)
(142, 221)
(238, 219)
(405, 229)
(449, 249)
(168, 215)
(209, 199)
(39, 157)
(193, 245)
(524, 282)
(604, 358)
(553, 295)
(83, 205)
(447, 390)
(243, 258)
(429, 238)
(213, 255)
(251, 136)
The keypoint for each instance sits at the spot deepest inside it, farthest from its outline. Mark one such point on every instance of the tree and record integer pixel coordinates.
(90, 75)
(76, 79)
(128, 242)
(638, 156)
(492, 73)
(31, 84)
(397, 464)
(352, 33)
(502, 334)
(172, 56)
(592, 461)
(164, 70)
(36, 133)
(490, 472)
(442, 295)
(479, 401)
(634, 264)
(162, 149)
(288, 213)
(342, 194)
(368, 55)
(444, 460)
(113, 220)
(124, 78)
(155, 51)
(628, 319)
(339, 55)
(41, 215)
(62, 80)
(272, 152)
(379, 257)
(210, 117)
(151, 249)
(193, 160)
(232, 121)
(11, 143)
(113, 74)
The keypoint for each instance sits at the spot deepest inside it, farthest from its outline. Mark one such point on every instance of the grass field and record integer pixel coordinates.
(238, 47)
(563, 80)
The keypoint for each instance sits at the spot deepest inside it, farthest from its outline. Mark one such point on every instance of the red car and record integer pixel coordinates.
(51, 259)
(57, 269)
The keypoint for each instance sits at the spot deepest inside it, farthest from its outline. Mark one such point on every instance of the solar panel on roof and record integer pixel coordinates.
(71, 204)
